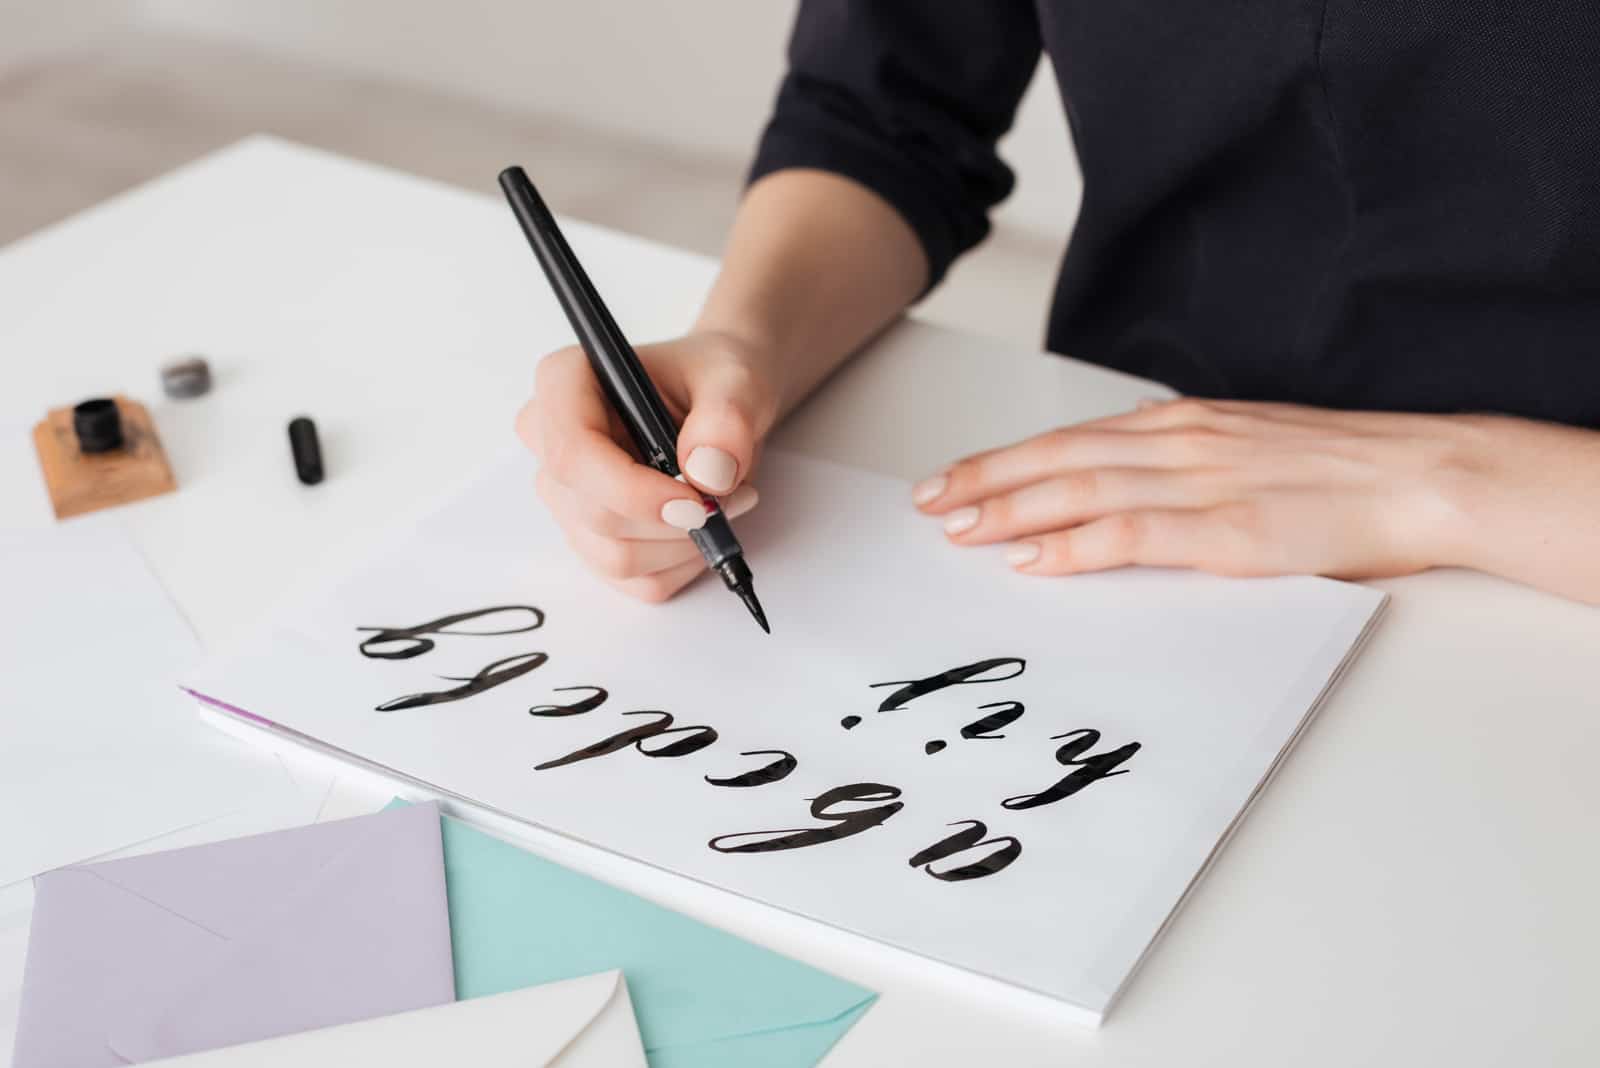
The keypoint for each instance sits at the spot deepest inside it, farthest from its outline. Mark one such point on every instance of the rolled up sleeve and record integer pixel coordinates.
(908, 98)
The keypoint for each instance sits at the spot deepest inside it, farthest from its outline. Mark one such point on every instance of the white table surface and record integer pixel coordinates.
(1418, 885)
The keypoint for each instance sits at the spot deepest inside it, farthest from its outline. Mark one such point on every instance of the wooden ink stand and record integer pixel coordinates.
(81, 482)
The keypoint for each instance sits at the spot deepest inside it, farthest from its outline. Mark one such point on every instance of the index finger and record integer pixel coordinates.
(1044, 456)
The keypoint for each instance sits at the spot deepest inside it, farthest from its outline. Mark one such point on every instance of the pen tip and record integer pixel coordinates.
(736, 576)
(748, 596)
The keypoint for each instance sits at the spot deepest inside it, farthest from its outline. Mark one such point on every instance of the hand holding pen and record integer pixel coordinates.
(626, 518)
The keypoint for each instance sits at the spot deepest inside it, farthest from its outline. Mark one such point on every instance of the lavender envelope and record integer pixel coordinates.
(236, 941)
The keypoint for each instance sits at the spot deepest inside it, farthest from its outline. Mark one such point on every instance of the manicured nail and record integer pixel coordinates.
(929, 489)
(1023, 552)
(961, 519)
(711, 468)
(740, 501)
(683, 514)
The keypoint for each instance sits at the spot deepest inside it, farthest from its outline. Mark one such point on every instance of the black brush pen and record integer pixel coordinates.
(623, 378)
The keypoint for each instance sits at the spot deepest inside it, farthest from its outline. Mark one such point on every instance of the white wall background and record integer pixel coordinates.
(697, 74)
(34, 27)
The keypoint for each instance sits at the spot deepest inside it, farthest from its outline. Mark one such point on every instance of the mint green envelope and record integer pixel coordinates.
(703, 998)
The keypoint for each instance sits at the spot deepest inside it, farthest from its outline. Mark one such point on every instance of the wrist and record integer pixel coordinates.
(1435, 494)
(1525, 492)
(754, 345)
(1479, 485)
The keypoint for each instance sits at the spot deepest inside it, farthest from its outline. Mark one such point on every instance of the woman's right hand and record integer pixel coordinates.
(628, 522)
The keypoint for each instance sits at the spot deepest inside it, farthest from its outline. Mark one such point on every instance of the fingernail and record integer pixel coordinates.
(961, 519)
(1023, 552)
(929, 489)
(1149, 402)
(712, 468)
(739, 501)
(684, 514)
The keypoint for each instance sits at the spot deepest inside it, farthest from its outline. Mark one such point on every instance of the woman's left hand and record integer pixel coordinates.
(1241, 488)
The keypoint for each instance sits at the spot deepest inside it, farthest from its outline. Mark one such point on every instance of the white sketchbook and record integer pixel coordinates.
(1014, 776)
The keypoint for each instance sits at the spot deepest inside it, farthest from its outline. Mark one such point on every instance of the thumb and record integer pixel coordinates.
(717, 442)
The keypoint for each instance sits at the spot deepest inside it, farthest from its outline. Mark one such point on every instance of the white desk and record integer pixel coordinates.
(1419, 884)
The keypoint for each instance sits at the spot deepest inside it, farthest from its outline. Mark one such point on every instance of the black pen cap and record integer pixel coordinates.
(307, 452)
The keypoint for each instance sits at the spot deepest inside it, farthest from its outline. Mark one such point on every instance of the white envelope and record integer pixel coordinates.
(576, 1023)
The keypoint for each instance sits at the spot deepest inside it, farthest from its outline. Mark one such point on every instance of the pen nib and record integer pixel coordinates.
(748, 596)
(736, 576)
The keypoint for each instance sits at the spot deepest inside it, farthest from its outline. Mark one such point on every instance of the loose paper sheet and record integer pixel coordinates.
(1015, 776)
(96, 753)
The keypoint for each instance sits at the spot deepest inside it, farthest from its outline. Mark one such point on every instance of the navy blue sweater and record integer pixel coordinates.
(1354, 203)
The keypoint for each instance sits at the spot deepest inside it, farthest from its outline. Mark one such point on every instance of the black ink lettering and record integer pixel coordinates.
(970, 838)
(577, 708)
(776, 771)
(410, 641)
(699, 738)
(960, 676)
(1009, 712)
(497, 673)
(934, 746)
(1088, 769)
(841, 824)
(849, 721)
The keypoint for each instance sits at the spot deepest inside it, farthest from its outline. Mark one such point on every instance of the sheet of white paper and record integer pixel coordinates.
(98, 748)
(1210, 679)
(585, 1022)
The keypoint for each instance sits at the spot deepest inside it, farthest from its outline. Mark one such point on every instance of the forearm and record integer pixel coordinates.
(815, 265)
(1528, 498)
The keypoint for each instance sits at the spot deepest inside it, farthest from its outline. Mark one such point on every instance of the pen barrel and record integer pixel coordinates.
(628, 388)
(622, 377)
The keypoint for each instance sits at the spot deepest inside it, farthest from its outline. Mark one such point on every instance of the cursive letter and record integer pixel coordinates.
(1010, 712)
(410, 640)
(971, 838)
(500, 671)
(577, 708)
(699, 738)
(1089, 769)
(960, 676)
(841, 824)
(774, 772)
